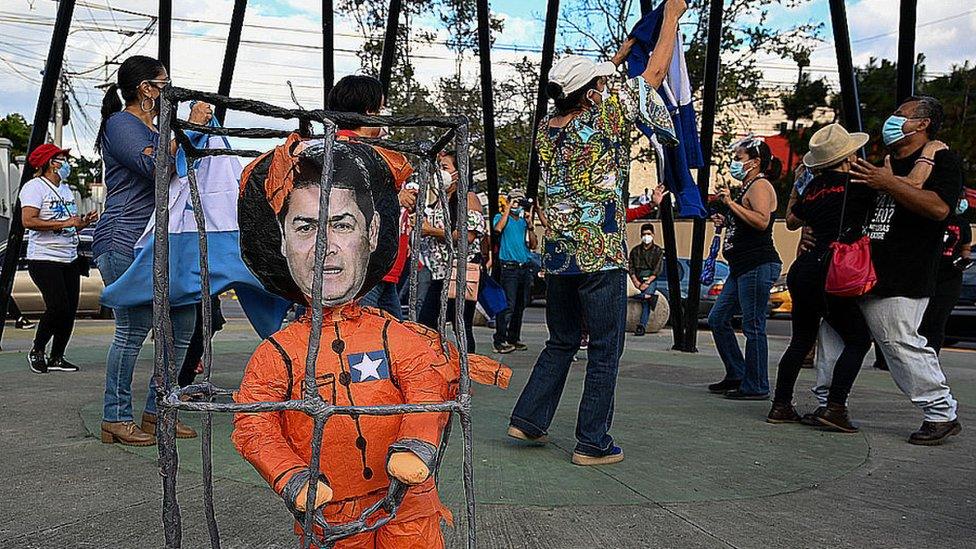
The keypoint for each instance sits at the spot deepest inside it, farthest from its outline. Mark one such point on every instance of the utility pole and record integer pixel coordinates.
(59, 111)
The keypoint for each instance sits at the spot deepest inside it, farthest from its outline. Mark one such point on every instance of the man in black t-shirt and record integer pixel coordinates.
(906, 230)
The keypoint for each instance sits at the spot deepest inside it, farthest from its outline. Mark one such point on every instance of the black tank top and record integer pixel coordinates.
(745, 247)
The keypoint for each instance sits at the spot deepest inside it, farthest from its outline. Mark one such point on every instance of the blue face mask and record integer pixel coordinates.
(64, 171)
(737, 170)
(516, 211)
(893, 130)
(962, 207)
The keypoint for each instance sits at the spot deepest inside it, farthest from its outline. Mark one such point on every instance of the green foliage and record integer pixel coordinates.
(15, 128)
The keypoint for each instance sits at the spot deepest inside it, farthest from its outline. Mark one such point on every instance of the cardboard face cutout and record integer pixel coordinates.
(278, 213)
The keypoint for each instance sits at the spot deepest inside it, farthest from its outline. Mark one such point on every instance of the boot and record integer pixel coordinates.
(127, 433)
(782, 413)
(835, 418)
(933, 433)
(182, 430)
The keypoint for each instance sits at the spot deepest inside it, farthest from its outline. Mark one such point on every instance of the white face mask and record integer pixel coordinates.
(647, 239)
(446, 179)
(604, 95)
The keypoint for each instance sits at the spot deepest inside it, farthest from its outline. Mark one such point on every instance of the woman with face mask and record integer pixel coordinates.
(50, 215)
(127, 141)
(825, 198)
(435, 256)
(754, 266)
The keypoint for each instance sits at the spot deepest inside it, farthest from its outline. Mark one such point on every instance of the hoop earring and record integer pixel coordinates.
(152, 104)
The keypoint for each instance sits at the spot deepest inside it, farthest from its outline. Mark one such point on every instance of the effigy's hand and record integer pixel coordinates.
(323, 495)
(407, 468)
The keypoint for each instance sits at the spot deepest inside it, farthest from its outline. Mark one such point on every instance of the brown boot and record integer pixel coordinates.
(835, 418)
(782, 413)
(127, 433)
(182, 430)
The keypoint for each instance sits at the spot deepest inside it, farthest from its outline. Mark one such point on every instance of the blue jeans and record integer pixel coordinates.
(600, 298)
(516, 280)
(132, 325)
(646, 297)
(748, 293)
(384, 296)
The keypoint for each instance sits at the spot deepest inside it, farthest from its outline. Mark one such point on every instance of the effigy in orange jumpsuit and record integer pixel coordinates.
(366, 357)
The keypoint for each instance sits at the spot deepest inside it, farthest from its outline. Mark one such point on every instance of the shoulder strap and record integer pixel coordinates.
(843, 207)
(288, 365)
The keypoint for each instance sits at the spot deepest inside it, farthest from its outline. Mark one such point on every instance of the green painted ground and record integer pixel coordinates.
(712, 449)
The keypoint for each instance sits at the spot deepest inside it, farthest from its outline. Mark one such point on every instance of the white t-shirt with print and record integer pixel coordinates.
(56, 203)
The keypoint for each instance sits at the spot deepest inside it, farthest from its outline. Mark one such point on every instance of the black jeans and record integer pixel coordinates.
(600, 298)
(811, 305)
(59, 284)
(194, 352)
(516, 280)
(430, 311)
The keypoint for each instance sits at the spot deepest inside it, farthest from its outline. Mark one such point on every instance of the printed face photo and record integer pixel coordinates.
(351, 240)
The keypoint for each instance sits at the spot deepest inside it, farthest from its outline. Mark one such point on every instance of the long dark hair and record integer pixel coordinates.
(567, 103)
(769, 165)
(132, 72)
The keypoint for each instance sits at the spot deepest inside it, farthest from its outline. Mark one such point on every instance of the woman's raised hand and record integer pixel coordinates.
(201, 113)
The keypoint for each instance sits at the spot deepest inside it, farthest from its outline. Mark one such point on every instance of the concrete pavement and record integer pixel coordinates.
(700, 471)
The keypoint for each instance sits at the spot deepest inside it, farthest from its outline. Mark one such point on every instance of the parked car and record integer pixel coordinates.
(962, 321)
(29, 298)
(780, 302)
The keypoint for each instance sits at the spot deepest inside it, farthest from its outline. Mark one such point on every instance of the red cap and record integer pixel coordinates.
(39, 156)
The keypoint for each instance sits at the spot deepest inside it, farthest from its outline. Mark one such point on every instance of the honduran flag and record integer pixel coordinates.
(676, 91)
(218, 180)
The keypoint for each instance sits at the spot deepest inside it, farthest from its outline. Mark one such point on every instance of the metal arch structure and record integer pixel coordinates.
(206, 398)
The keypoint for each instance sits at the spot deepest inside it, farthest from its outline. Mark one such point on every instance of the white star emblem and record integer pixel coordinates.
(368, 368)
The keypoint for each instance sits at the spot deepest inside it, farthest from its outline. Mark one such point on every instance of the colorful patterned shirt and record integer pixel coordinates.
(585, 167)
(434, 251)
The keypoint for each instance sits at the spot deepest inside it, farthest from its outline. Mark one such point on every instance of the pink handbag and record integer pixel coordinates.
(851, 272)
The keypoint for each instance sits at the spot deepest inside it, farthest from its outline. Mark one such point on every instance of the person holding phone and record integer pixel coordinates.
(514, 224)
(50, 214)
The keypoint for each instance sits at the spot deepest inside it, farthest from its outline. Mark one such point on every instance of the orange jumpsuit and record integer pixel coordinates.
(366, 358)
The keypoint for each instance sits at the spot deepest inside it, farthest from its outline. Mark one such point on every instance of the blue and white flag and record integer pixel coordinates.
(676, 91)
(218, 178)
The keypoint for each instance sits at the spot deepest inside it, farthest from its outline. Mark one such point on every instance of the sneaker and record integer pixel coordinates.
(584, 342)
(519, 346)
(61, 365)
(736, 394)
(503, 348)
(933, 433)
(616, 455)
(519, 434)
(724, 386)
(834, 418)
(810, 419)
(782, 413)
(37, 362)
(639, 331)
(23, 324)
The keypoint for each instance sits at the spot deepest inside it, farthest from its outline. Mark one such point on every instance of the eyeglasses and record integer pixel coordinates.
(160, 82)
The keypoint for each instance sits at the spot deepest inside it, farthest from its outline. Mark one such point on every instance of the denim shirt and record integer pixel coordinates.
(129, 185)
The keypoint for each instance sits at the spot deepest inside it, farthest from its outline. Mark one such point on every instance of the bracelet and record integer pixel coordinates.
(924, 160)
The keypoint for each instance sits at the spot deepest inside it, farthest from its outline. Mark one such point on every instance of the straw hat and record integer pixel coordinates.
(831, 144)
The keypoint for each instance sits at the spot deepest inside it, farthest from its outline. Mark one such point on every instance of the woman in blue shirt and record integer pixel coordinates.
(127, 142)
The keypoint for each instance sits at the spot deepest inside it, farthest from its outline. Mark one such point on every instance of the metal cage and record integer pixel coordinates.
(207, 398)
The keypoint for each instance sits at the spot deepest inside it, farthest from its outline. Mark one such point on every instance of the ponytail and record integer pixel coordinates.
(569, 102)
(133, 71)
(769, 165)
(111, 104)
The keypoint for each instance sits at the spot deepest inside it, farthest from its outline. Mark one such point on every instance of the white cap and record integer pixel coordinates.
(572, 72)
